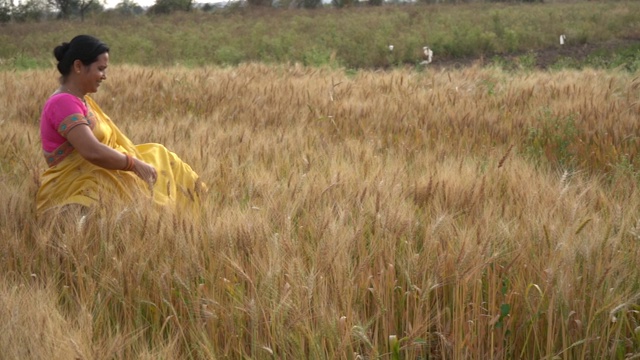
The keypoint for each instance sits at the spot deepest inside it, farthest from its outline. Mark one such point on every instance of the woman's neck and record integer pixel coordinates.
(70, 89)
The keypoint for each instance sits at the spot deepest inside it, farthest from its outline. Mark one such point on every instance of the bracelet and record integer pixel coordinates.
(130, 162)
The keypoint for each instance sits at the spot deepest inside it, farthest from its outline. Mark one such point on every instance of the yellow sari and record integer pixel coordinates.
(74, 180)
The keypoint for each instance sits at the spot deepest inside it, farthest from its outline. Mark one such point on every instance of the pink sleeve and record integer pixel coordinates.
(61, 113)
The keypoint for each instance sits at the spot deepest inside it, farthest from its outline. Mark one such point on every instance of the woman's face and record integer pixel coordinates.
(94, 74)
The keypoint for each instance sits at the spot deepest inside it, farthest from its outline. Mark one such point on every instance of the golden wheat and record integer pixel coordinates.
(346, 212)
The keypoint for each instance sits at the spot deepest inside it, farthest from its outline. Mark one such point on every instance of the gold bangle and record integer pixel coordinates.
(130, 162)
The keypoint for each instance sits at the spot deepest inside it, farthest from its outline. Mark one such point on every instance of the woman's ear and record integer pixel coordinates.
(77, 66)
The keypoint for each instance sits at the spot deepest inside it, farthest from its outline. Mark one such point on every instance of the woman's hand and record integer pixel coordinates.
(145, 172)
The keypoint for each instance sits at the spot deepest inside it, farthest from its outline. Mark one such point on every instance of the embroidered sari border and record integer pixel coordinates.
(60, 153)
(71, 122)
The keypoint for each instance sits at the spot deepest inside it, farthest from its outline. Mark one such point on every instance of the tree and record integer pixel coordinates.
(260, 3)
(169, 6)
(91, 6)
(31, 10)
(129, 7)
(6, 7)
(65, 8)
(311, 4)
(26, 10)
(343, 3)
(68, 8)
(307, 4)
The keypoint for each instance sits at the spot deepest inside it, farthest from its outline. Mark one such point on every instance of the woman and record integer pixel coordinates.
(91, 163)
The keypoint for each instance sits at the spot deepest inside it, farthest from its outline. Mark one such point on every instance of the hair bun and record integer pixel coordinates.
(61, 50)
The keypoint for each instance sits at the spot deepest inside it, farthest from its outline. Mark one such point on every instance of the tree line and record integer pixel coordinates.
(36, 10)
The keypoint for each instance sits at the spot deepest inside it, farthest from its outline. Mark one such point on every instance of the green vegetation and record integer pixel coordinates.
(627, 58)
(350, 38)
(551, 139)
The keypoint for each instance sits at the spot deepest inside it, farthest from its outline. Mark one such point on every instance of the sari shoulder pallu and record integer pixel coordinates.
(70, 179)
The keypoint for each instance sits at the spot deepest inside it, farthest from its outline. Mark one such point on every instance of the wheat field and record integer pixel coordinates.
(435, 214)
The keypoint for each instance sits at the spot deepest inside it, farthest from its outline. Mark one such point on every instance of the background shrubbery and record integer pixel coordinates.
(357, 37)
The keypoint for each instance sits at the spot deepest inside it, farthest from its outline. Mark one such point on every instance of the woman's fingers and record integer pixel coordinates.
(146, 172)
(153, 177)
(150, 174)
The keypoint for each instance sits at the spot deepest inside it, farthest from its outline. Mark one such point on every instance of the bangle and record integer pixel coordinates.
(130, 162)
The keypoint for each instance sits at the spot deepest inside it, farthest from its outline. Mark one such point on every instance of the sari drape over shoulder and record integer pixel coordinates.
(70, 179)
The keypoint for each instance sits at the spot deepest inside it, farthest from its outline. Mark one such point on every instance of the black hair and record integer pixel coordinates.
(85, 48)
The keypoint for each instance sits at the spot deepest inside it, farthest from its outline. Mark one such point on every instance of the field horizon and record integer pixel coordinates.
(602, 35)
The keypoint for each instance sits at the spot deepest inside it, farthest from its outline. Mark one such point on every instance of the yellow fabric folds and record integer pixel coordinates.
(76, 181)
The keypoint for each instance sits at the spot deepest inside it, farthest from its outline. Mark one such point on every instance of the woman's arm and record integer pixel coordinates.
(82, 139)
(94, 151)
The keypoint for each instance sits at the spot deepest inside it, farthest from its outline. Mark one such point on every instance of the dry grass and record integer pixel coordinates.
(344, 210)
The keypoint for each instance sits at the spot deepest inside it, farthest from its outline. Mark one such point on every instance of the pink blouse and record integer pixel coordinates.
(61, 113)
(53, 127)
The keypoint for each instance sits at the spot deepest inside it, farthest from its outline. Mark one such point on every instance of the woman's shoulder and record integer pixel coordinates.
(61, 98)
(63, 102)
(61, 105)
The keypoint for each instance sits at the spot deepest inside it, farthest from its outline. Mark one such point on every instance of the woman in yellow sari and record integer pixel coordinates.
(91, 163)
